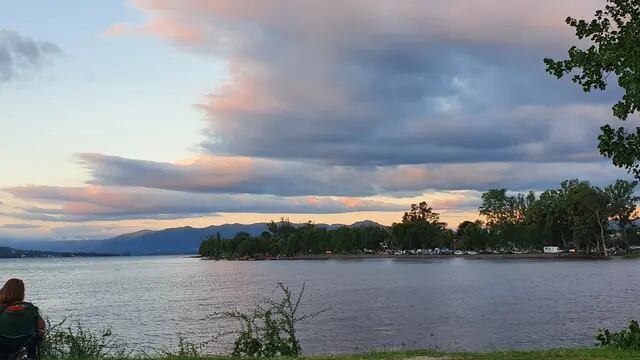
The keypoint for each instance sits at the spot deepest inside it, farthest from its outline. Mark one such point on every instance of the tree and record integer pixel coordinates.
(283, 226)
(551, 216)
(420, 228)
(592, 205)
(212, 248)
(506, 216)
(614, 34)
(574, 214)
(473, 235)
(623, 204)
(420, 212)
(500, 209)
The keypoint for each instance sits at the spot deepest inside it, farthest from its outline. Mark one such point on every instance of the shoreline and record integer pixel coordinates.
(429, 257)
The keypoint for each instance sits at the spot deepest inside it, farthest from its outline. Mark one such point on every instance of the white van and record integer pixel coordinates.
(551, 250)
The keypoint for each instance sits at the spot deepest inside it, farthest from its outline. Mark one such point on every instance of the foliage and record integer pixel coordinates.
(186, 349)
(284, 239)
(614, 37)
(473, 235)
(269, 329)
(499, 208)
(421, 212)
(626, 339)
(574, 215)
(555, 354)
(79, 343)
(623, 205)
(420, 228)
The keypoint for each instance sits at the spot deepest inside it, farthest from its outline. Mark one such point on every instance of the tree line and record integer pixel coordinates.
(576, 215)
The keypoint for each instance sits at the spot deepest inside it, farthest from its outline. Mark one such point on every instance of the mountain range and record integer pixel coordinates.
(173, 241)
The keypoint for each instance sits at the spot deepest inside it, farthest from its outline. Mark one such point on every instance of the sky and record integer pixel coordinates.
(118, 116)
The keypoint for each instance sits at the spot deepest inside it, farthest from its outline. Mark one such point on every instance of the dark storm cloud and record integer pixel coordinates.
(376, 83)
(394, 102)
(19, 54)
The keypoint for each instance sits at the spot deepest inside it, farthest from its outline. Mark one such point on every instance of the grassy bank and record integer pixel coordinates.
(558, 354)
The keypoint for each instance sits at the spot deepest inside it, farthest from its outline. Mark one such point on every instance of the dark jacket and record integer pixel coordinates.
(19, 320)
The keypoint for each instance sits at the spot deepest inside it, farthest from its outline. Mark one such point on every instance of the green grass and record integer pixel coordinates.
(559, 354)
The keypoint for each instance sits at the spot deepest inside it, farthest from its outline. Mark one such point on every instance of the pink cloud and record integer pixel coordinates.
(118, 29)
(164, 27)
(244, 95)
(116, 203)
(173, 30)
(495, 21)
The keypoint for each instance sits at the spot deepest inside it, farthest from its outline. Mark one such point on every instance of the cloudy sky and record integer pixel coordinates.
(118, 116)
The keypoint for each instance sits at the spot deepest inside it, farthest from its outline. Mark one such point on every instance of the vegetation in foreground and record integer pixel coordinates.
(611, 38)
(556, 354)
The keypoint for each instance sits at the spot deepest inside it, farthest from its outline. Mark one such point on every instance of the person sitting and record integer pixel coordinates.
(21, 326)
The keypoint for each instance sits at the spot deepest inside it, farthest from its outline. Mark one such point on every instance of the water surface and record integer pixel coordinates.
(450, 304)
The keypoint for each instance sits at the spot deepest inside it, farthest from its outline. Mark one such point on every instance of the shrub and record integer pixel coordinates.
(78, 343)
(626, 339)
(269, 329)
(186, 349)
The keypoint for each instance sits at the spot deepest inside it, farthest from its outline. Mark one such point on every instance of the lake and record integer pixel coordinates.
(449, 304)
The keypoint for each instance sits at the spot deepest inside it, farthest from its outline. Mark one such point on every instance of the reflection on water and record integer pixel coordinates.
(449, 304)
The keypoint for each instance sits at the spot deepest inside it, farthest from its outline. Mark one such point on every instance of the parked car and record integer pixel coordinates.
(551, 250)
(472, 252)
(458, 252)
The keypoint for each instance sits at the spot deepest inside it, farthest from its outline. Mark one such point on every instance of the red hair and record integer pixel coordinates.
(11, 292)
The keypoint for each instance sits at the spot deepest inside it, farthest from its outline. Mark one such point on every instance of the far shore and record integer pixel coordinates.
(562, 256)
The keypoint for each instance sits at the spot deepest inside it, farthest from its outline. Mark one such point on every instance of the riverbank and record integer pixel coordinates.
(558, 354)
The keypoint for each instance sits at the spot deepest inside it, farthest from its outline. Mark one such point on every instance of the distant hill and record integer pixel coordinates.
(366, 223)
(182, 240)
(9, 253)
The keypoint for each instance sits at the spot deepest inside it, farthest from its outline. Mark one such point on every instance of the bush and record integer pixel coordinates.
(623, 340)
(186, 350)
(78, 343)
(269, 330)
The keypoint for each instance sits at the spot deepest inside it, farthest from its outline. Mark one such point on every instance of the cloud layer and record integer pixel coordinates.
(377, 83)
(242, 175)
(69, 204)
(330, 107)
(19, 54)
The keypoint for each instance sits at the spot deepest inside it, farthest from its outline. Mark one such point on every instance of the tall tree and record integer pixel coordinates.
(472, 235)
(623, 204)
(420, 212)
(614, 37)
(498, 207)
(552, 217)
(590, 202)
(420, 228)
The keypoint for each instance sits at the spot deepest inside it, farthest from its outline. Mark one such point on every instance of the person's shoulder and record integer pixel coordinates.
(31, 306)
(21, 305)
(27, 304)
